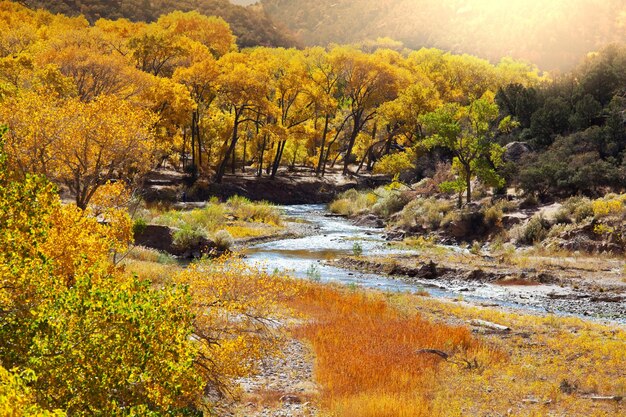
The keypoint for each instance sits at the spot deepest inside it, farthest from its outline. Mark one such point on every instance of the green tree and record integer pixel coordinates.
(468, 133)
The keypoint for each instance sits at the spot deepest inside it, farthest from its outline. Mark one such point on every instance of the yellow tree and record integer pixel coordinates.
(81, 145)
(366, 84)
(212, 32)
(201, 82)
(292, 97)
(244, 85)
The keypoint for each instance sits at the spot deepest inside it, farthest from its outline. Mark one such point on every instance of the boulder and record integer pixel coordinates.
(369, 220)
(513, 219)
(514, 151)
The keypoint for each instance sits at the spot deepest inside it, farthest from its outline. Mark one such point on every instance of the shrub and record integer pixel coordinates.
(313, 273)
(428, 212)
(534, 231)
(139, 226)
(562, 216)
(390, 203)
(357, 249)
(223, 240)
(493, 215)
(188, 238)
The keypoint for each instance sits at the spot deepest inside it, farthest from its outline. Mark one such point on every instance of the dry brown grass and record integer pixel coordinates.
(367, 358)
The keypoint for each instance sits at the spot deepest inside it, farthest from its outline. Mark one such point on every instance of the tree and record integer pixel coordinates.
(366, 83)
(244, 81)
(468, 133)
(81, 145)
(96, 339)
(201, 81)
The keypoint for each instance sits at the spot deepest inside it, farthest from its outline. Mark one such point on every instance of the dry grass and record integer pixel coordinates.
(554, 365)
(367, 358)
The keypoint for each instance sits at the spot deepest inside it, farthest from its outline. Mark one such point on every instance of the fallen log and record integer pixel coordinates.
(440, 353)
(489, 325)
(615, 398)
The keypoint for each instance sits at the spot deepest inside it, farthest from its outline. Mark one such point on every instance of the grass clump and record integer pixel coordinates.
(426, 212)
(260, 212)
(353, 202)
(223, 240)
(368, 358)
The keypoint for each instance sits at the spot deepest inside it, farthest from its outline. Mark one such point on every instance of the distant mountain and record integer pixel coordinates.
(550, 33)
(250, 24)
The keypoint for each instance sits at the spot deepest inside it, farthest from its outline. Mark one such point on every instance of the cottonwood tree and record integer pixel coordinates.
(81, 145)
(244, 85)
(468, 132)
(366, 83)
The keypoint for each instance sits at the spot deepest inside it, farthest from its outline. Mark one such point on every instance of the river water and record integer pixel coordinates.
(335, 237)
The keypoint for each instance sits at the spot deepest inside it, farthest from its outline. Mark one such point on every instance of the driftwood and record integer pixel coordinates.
(489, 325)
(440, 353)
(615, 398)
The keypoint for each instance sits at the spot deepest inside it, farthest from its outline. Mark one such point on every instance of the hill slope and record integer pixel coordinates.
(552, 34)
(250, 24)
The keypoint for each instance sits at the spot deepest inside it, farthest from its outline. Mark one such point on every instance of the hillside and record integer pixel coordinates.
(251, 25)
(552, 34)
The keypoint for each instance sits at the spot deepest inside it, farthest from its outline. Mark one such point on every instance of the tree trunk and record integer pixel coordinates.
(355, 132)
(279, 156)
(193, 141)
(324, 134)
(231, 148)
(468, 184)
(260, 171)
(243, 162)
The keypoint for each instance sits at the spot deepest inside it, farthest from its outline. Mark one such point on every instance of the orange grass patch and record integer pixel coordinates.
(366, 352)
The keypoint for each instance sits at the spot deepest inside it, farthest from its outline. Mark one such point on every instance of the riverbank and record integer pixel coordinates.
(350, 349)
(289, 187)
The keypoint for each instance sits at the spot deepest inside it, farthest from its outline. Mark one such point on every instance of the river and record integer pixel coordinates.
(335, 237)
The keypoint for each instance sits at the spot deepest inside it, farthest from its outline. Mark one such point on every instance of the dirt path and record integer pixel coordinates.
(284, 388)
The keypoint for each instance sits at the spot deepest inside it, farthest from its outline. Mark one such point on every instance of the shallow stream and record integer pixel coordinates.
(335, 237)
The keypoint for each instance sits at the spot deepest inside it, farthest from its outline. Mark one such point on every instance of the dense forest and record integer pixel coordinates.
(179, 90)
(551, 34)
(251, 25)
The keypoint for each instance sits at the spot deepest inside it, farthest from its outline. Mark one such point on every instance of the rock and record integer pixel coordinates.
(291, 399)
(428, 271)
(469, 225)
(395, 235)
(513, 219)
(514, 151)
(155, 237)
(369, 220)
(476, 275)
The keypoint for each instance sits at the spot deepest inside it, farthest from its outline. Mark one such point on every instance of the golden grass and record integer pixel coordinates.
(367, 358)
(546, 356)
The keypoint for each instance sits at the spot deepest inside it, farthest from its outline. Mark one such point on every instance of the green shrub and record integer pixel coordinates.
(535, 231)
(357, 249)
(313, 273)
(188, 238)
(139, 226)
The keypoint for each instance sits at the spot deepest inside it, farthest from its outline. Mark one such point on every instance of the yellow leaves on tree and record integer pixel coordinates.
(237, 308)
(98, 340)
(81, 145)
